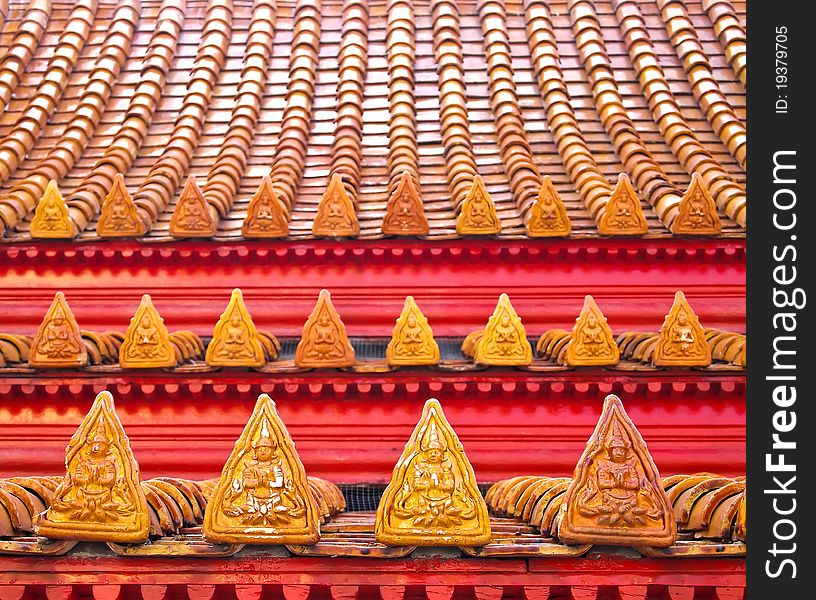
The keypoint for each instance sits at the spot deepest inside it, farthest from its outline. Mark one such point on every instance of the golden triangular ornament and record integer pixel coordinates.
(548, 215)
(235, 340)
(592, 343)
(336, 216)
(697, 212)
(504, 342)
(404, 213)
(191, 215)
(623, 214)
(147, 343)
(682, 341)
(119, 217)
(58, 343)
(51, 219)
(477, 215)
(324, 342)
(412, 342)
(266, 217)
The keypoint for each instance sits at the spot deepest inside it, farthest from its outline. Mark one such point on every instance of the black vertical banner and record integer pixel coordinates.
(781, 268)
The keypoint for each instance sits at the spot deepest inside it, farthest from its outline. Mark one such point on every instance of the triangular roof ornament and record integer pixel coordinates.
(623, 214)
(119, 216)
(58, 342)
(235, 340)
(504, 341)
(336, 216)
(266, 215)
(191, 215)
(405, 213)
(548, 215)
(592, 343)
(682, 341)
(51, 219)
(412, 342)
(697, 212)
(477, 215)
(324, 342)
(147, 342)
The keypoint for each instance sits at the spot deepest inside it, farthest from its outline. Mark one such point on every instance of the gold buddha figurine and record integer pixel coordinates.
(697, 213)
(119, 217)
(504, 342)
(262, 496)
(235, 340)
(191, 216)
(548, 215)
(51, 219)
(592, 343)
(623, 214)
(616, 496)
(58, 342)
(412, 342)
(324, 342)
(266, 217)
(477, 215)
(432, 499)
(336, 216)
(404, 213)
(682, 341)
(100, 497)
(147, 343)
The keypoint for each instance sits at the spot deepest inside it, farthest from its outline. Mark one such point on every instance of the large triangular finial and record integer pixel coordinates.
(432, 498)
(235, 340)
(592, 343)
(682, 341)
(404, 213)
(51, 219)
(147, 343)
(623, 214)
(100, 497)
(697, 212)
(191, 216)
(266, 217)
(504, 342)
(412, 342)
(335, 214)
(262, 496)
(119, 217)
(616, 496)
(548, 215)
(324, 342)
(477, 215)
(58, 343)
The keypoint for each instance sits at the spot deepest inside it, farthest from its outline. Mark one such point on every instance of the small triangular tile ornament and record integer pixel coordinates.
(623, 214)
(432, 498)
(412, 342)
(235, 340)
(147, 343)
(616, 496)
(262, 496)
(266, 217)
(504, 342)
(324, 342)
(682, 341)
(58, 342)
(335, 214)
(592, 343)
(100, 497)
(404, 213)
(477, 215)
(697, 212)
(119, 217)
(548, 215)
(51, 219)
(191, 216)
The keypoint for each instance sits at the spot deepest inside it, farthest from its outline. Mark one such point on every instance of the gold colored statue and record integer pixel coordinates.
(51, 219)
(412, 342)
(336, 216)
(477, 215)
(504, 341)
(191, 216)
(432, 499)
(262, 496)
(235, 340)
(404, 213)
(697, 214)
(119, 217)
(58, 343)
(147, 343)
(623, 215)
(592, 343)
(682, 341)
(266, 217)
(100, 497)
(548, 215)
(616, 496)
(324, 343)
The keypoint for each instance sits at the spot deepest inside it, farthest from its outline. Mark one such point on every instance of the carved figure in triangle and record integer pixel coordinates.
(412, 342)
(404, 213)
(335, 214)
(262, 496)
(548, 215)
(51, 219)
(324, 342)
(682, 341)
(505, 340)
(478, 213)
(697, 213)
(592, 342)
(623, 215)
(100, 497)
(266, 217)
(191, 217)
(616, 496)
(432, 499)
(119, 217)
(147, 343)
(58, 342)
(235, 340)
